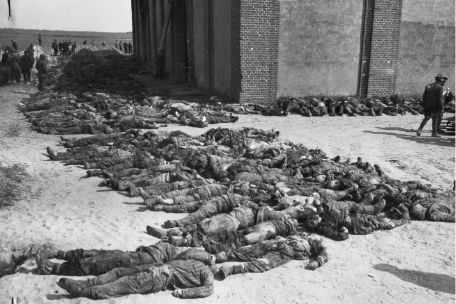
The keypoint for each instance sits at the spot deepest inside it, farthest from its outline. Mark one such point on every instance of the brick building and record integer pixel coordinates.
(257, 50)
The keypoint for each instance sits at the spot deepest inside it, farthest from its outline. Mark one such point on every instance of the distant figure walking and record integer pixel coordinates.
(14, 64)
(55, 47)
(5, 71)
(14, 45)
(73, 47)
(26, 66)
(39, 39)
(120, 46)
(42, 68)
(125, 46)
(433, 104)
(130, 48)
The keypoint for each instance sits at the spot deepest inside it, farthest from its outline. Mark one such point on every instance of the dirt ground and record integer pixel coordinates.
(414, 263)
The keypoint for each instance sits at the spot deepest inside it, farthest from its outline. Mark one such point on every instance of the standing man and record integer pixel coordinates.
(130, 48)
(73, 47)
(14, 45)
(433, 104)
(42, 68)
(39, 39)
(26, 64)
(55, 47)
(14, 63)
(5, 73)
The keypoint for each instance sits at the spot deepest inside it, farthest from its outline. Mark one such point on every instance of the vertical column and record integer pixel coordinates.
(382, 21)
(190, 49)
(259, 44)
(365, 47)
(210, 43)
(134, 17)
(235, 49)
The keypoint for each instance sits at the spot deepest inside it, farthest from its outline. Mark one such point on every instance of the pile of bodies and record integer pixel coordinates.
(250, 198)
(94, 113)
(337, 106)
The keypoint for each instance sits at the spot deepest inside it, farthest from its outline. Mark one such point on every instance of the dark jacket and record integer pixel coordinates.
(433, 98)
(26, 62)
(41, 66)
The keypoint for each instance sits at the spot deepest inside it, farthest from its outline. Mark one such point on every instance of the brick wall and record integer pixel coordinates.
(365, 46)
(235, 49)
(259, 38)
(382, 22)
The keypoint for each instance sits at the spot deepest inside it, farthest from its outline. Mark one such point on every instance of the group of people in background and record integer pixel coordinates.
(14, 66)
(65, 47)
(126, 47)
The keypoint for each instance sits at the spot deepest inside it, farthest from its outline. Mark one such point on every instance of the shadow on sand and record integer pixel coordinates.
(444, 141)
(430, 280)
(55, 297)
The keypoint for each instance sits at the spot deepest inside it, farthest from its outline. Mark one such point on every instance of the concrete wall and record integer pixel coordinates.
(319, 47)
(426, 44)
(222, 46)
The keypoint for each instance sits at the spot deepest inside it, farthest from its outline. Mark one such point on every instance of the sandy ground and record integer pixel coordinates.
(410, 264)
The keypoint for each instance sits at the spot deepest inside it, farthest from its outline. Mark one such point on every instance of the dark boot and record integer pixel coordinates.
(420, 129)
(51, 153)
(340, 110)
(94, 172)
(170, 224)
(332, 110)
(379, 170)
(435, 127)
(156, 232)
(226, 270)
(73, 287)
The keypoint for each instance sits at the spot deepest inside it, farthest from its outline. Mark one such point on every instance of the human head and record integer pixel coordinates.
(418, 212)
(441, 79)
(43, 57)
(313, 220)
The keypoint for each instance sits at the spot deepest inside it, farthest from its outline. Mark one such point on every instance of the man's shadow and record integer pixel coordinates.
(440, 141)
(430, 280)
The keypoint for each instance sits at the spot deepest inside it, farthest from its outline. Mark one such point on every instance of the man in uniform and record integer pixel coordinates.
(42, 68)
(433, 104)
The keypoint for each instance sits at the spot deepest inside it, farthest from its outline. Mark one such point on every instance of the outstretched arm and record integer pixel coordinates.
(198, 255)
(320, 259)
(331, 232)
